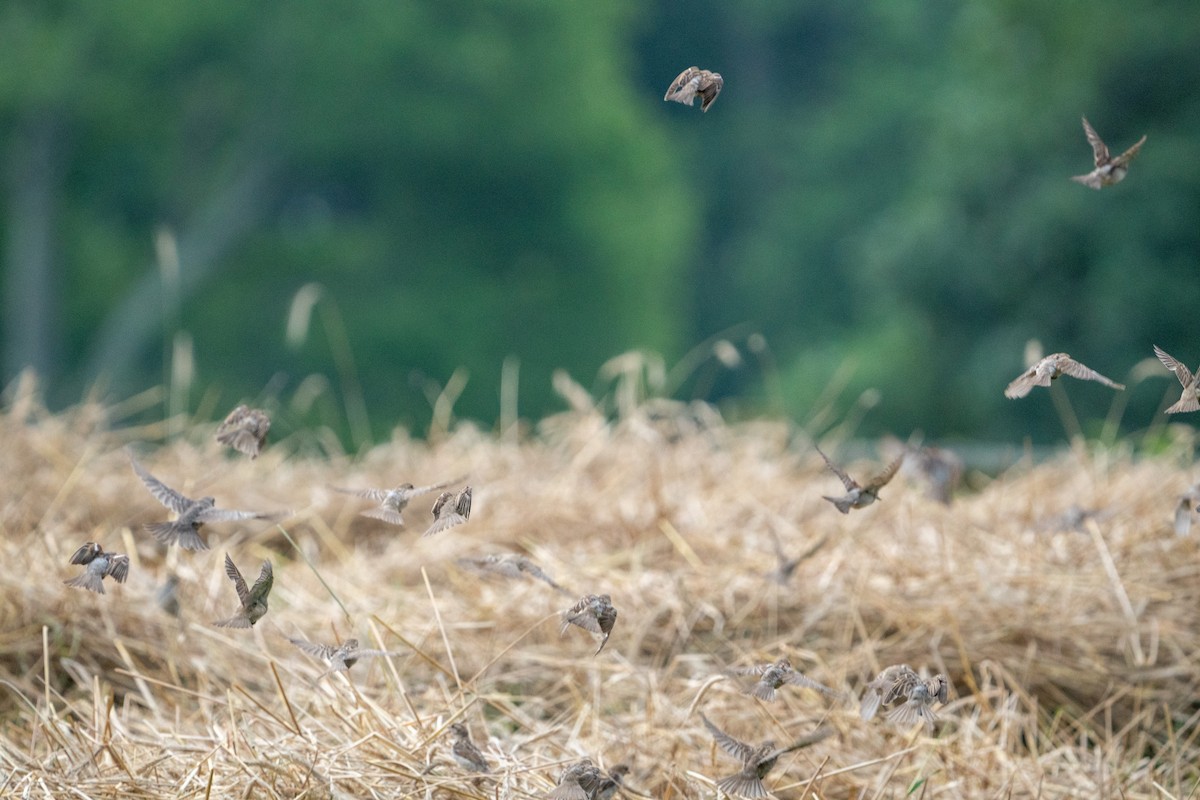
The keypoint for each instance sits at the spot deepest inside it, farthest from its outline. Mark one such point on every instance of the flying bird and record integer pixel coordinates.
(1108, 170)
(1190, 400)
(593, 613)
(756, 761)
(191, 515)
(695, 81)
(340, 658)
(509, 565)
(909, 697)
(245, 430)
(447, 515)
(98, 563)
(253, 600)
(1049, 369)
(465, 752)
(773, 676)
(858, 495)
(392, 502)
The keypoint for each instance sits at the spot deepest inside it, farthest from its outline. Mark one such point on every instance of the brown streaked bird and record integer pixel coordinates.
(253, 600)
(1049, 369)
(859, 495)
(1190, 400)
(918, 704)
(447, 515)
(756, 761)
(909, 697)
(392, 502)
(1185, 511)
(580, 781)
(1108, 170)
(773, 676)
(695, 81)
(509, 565)
(593, 613)
(98, 564)
(245, 430)
(191, 515)
(465, 752)
(340, 658)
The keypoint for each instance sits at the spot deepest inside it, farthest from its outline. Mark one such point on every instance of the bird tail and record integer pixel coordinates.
(1090, 180)
(763, 691)
(743, 785)
(388, 515)
(92, 581)
(1185, 404)
(906, 714)
(842, 504)
(169, 533)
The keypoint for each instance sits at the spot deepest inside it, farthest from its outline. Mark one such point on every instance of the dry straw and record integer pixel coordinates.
(1072, 653)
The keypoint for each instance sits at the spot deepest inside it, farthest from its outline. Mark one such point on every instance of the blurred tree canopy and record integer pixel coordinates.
(881, 191)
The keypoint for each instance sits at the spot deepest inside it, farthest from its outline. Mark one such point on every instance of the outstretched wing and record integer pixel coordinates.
(313, 649)
(1023, 384)
(162, 493)
(1099, 149)
(239, 583)
(683, 88)
(847, 481)
(1128, 155)
(370, 494)
(738, 749)
(86, 554)
(889, 472)
(118, 567)
(1070, 366)
(1181, 372)
(711, 84)
(262, 586)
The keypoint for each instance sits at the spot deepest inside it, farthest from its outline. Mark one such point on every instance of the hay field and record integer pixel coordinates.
(1072, 653)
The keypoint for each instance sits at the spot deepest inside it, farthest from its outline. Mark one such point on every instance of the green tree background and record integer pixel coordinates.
(881, 191)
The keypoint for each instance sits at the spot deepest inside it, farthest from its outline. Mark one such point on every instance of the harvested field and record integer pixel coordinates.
(1072, 653)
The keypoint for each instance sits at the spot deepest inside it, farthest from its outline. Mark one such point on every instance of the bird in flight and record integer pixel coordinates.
(859, 495)
(447, 514)
(392, 502)
(191, 515)
(1190, 400)
(909, 697)
(245, 430)
(509, 565)
(253, 600)
(695, 81)
(773, 676)
(593, 613)
(1049, 369)
(98, 563)
(340, 658)
(1108, 170)
(756, 761)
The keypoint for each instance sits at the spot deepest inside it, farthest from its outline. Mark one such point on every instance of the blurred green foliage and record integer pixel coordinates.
(881, 191)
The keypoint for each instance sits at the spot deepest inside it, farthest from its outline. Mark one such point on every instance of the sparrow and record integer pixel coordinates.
(253, 600)
(245, 430)
(592, 613)
(98, 563)
(1108, 170)
(695, 81)
(340, 658)
(392, 501)
(756, 761)
(900, 682)
(191, 515)
(1049, 369)
(447, 516)
(465, 752)
(509, 565)
(1185, 512)
(1190, 401)
(857, 495)
(167, 595)
(580, 781)
(773, 676)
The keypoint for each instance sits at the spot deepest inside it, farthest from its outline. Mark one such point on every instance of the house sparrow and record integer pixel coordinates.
(253, 600)
(909, 697)
(773, 676)
(580, 781)
(245, 430)
(98, 563)
(509, 565)
(446, 515)
(392, 501)
(340, 658)
(756, 761)
(858, 495)
(192, 515)
(1049, 369)
(465, 752)
(1190, 400)
(594, 613)
(1108, 170)
(695, 81)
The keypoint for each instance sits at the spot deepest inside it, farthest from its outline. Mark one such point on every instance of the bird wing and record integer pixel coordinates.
(800, 679)
(1099, 149)
(463, 504)
(584, 619)
(711, 84)
(230, 515)
(446, 520)
(388, 515)
(262, 586)
(1128, 155)
(420, 490)
(683, 88)
(1070, 366)
(370, 494)
(820, 734)
(889, 472)
(313, 649)
(757, 669)
(847, 481)
(85, 554)
(239, 583)
(162, 493)
(1181, 371)
(738, 749)
(1022, 384)
(118, 567)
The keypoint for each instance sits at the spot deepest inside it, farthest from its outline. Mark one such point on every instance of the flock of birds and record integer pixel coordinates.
(907, 697)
